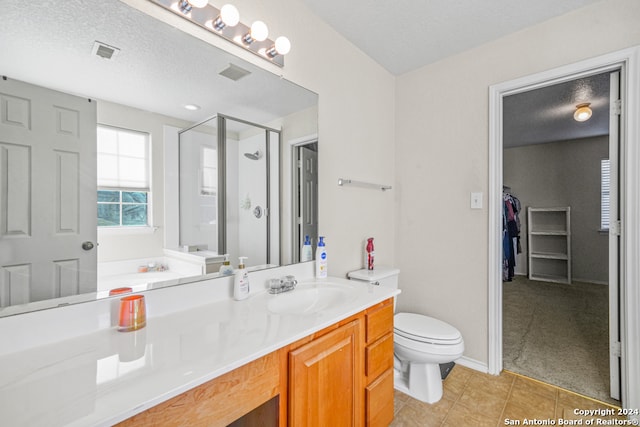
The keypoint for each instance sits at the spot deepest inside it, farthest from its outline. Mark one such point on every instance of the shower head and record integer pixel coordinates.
(254, 156)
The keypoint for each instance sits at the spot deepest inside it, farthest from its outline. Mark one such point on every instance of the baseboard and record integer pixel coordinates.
(473, 364)
(592, 282)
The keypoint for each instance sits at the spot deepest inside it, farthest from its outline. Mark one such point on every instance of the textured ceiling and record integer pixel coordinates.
(158, 68)
(403, 35)
(546, 114)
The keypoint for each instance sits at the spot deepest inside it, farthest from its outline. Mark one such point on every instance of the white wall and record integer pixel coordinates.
(442, 156)
(564, 173)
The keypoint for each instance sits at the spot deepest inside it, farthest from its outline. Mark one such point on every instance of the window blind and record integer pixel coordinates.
(605, 179)
(123, 159)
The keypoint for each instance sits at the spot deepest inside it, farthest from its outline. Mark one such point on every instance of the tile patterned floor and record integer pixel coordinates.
(475, 399)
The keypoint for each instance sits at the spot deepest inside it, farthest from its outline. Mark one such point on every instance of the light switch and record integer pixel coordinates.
(476, 200)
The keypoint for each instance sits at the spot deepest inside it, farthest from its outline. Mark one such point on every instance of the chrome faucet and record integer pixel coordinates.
(284, 284)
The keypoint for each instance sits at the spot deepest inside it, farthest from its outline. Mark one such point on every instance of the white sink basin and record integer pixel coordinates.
(310, 299)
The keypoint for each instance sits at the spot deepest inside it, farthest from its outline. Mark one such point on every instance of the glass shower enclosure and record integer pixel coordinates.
(229, 189)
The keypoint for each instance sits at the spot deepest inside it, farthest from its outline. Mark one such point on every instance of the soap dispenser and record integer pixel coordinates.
(307, 252)
(241, 281)
(321, 259)
(225, 268)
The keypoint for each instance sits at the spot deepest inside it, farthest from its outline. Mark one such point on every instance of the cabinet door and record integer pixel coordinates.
(325, 380)
(379, 402)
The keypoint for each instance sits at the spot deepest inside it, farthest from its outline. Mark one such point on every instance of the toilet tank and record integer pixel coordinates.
(383, 276)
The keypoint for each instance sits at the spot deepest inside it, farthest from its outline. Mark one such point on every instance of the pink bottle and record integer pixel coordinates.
(370, 253)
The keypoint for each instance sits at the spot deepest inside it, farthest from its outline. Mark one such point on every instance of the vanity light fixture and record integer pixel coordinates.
(225, 22)
(583, 112)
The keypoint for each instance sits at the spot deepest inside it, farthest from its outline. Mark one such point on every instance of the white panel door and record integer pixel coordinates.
(309, 195)
(47, 194)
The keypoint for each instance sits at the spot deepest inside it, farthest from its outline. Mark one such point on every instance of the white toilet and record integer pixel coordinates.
(420, 343)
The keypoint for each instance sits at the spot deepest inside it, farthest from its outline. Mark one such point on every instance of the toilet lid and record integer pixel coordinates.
(424, 328)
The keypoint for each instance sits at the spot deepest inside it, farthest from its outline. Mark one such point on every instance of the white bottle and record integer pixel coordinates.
(321, 259)
(225, 268)
(241, 282)
(307, 252)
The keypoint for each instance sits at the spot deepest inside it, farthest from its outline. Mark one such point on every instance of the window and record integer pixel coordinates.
(605, 178)
(209, 168)
(123, 177)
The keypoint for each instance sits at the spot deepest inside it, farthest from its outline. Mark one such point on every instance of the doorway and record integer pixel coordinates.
(305, 194)
(555, 289)
(628, 346)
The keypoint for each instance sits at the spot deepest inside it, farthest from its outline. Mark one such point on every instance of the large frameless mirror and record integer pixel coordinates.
(93, 102)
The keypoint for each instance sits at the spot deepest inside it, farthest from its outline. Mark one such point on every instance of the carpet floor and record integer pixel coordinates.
(558, 334)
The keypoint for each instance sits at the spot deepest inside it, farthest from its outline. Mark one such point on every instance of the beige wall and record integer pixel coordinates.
(564, 174)
(442, 156)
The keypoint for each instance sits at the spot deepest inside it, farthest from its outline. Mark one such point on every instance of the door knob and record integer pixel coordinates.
(87, 246)
(257, 212)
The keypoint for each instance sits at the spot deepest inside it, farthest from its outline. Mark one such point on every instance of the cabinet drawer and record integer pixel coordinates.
(380, 321)
(379, 400)
(379, 356)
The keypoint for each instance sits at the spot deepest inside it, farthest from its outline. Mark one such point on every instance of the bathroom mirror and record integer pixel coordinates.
(139, 75)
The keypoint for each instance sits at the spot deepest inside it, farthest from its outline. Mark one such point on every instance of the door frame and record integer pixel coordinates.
(628, 60)
(294, 144)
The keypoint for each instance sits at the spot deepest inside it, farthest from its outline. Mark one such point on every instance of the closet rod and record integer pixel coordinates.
(344, 181)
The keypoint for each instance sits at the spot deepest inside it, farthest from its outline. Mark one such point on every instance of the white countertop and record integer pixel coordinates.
(106, 376)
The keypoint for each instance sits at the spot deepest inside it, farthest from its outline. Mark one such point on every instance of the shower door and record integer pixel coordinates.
(198, 152)
(249, 186)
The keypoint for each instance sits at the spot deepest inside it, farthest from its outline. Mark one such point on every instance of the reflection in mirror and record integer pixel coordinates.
(70, 234)
(235, 181)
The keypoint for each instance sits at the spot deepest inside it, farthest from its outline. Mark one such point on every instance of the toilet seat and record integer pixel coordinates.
(425, 329)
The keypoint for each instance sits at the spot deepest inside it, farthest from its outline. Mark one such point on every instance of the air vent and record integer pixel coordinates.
(104, 51)
(234, 72)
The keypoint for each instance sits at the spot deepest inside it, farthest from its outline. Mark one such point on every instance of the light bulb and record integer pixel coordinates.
(259, 31)
(199, 3)
(229, 15)
(283, 45)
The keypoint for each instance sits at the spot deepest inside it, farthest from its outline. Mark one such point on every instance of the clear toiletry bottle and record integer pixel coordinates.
(321, 259)
(241, 281)
(307, 252)
(225, 268)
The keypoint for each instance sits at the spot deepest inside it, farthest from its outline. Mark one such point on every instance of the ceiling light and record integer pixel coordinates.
(192, 107)
(229, 16)
(259, 32)
(583, 112)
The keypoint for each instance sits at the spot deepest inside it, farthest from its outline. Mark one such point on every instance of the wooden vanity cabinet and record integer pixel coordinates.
(345, 377)
(379, 365)
(339, 376)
